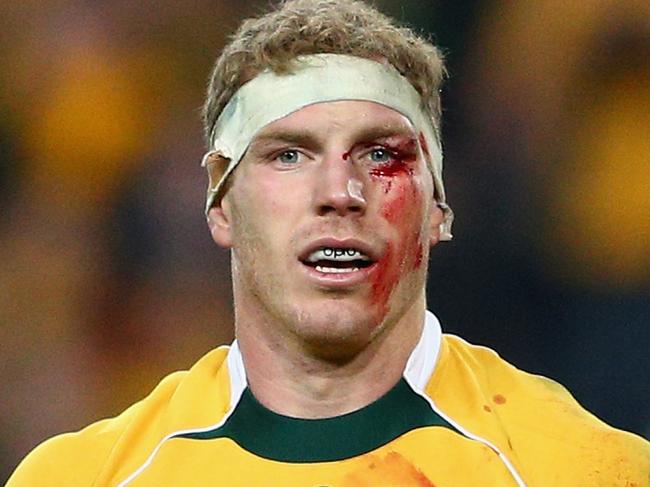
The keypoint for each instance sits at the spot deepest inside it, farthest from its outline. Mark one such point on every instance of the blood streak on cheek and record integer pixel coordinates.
(393, 210)
(402, 202)
(388, 267)
(391, 169)
(407, 254)
(384, 280)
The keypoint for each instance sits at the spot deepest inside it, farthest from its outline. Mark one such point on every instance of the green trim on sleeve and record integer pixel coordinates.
(293, 440)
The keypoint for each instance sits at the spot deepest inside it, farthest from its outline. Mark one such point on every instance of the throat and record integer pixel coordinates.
(325, 384)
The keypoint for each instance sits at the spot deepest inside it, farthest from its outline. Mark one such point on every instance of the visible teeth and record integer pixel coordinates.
(340, 255)
(335, 270)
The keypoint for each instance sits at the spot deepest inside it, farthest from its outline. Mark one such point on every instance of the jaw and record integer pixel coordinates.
(346, 321)
(343, 328)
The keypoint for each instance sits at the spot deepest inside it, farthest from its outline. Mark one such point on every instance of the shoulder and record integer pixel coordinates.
(78, 458)
(548, 429)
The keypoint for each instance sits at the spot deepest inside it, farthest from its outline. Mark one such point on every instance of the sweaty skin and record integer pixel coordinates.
(317, 344)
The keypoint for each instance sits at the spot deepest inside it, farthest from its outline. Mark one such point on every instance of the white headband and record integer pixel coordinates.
(320, 78)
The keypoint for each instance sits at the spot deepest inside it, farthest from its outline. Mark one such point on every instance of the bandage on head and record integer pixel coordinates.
(318, 78)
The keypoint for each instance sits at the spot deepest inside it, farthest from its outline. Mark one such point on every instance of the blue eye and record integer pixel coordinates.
(380, 155)
(289, 157)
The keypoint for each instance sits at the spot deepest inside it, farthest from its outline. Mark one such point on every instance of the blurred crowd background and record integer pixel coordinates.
(109, 279)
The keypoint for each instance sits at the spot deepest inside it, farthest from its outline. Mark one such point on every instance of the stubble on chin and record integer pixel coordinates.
(331, 332)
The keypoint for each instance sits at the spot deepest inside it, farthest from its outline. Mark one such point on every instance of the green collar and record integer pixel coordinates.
(286, 439)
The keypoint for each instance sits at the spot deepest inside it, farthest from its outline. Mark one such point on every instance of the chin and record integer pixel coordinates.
(336, 329)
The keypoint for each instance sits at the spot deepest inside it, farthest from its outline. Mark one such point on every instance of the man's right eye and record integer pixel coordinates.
(289, 157)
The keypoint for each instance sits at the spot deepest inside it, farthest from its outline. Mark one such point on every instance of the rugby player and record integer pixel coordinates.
(325, 181)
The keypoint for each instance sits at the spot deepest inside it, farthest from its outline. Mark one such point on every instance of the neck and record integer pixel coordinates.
(288, 378)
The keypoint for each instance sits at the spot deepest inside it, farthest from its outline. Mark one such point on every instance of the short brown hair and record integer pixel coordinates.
(300, 27)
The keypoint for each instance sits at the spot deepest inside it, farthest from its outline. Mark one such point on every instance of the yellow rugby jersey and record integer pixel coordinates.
(459, 416)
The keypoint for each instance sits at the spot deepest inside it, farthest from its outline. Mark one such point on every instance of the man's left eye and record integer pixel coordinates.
(289, 157)
(380, 155)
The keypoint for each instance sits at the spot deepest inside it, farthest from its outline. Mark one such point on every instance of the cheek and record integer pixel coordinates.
(266, 198)
(254, 206)
(402, 208)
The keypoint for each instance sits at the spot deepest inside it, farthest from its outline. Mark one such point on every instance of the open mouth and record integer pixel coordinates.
(334, 260)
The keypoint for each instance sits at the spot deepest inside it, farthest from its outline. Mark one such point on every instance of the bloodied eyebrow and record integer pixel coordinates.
(312, 139)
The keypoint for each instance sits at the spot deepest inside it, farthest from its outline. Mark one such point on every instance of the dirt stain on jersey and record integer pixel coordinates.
(391, 469)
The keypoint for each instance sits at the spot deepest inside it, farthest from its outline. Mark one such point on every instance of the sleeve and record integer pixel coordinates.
(81, 458)
(70, 459)
(553, 438)
(561, 436)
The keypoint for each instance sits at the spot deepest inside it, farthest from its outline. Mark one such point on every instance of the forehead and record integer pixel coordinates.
(351, 118)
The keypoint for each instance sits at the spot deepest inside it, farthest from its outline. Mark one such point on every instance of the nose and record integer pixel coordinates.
(338, 189)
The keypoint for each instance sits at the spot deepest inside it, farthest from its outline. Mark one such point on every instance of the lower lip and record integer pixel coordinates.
(339, 279)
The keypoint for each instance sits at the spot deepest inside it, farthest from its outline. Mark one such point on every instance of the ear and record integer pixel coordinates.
(220, 223)
(436, 217)
(219, 220)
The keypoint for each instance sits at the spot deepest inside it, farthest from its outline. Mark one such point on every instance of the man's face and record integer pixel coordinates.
(330, 216)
